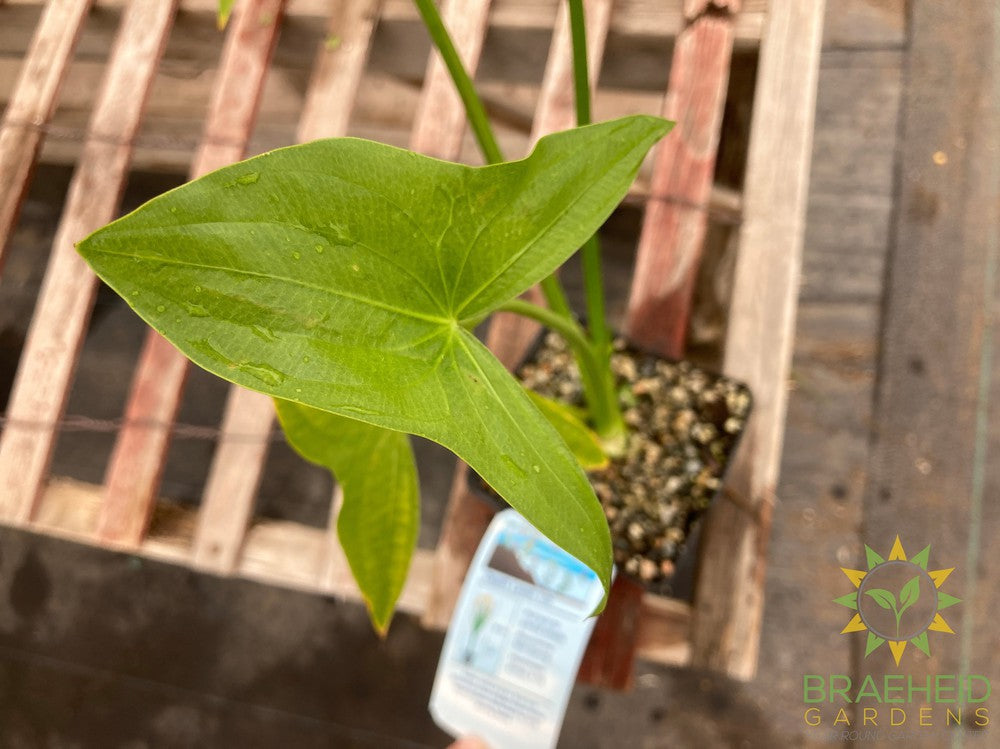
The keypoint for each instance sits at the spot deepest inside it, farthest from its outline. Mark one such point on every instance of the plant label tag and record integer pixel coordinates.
(516, 638)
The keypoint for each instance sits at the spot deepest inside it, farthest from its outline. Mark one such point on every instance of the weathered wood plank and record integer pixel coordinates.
(610, 657)
(673, 230)
(865, 24)
(935, 411)
(140, 451)
(656, 17)
(729, 596)
(235, 474)
(227, 503)
(338, 70)
(33, 102)
(49, 357)
(556, 105)
(440, 122)
(291, 555)
(853, 146)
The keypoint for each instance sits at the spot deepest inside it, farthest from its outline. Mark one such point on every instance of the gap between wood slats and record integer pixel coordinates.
(140, 452)
(33, 102)
(64, 305)
(238, 464)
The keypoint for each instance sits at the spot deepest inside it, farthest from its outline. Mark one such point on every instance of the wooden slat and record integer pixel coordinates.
(140, 451)
(227, 503)
(509, 335)
(238, 464)
(673, 229)
(933, 476)
(59, 325)
(291, 555)
(729, 596)
(440, 122)
(337, 71)
(639, 17)
(610, 657)
(33, 102)
(556, 105)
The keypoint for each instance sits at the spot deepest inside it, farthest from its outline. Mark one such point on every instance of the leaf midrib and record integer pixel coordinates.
(291, 281)
(460, 338)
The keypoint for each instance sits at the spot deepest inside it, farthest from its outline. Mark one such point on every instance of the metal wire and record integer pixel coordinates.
(80, 423)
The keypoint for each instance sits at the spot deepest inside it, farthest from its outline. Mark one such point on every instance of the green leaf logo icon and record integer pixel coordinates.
(908, 596)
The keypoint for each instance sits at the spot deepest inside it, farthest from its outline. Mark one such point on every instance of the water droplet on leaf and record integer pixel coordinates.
(248, 179)
(262, 332)
(296, 255)
(514, 466)
(263, 372)
(161, 308)
(196, 310)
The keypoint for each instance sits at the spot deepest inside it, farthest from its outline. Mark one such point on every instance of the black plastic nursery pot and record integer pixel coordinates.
(684, 425)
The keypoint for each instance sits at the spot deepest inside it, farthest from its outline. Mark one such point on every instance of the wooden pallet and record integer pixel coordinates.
(721, 629)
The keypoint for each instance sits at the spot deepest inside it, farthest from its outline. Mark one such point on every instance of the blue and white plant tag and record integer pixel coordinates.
(515, 640)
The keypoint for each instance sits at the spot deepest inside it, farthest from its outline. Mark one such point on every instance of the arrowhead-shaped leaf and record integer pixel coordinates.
(338, 274)
(380, 517)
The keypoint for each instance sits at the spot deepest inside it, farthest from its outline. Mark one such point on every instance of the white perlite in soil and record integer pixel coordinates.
(683, 424)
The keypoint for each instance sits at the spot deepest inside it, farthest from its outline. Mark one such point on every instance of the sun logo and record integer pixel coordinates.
(897, 601)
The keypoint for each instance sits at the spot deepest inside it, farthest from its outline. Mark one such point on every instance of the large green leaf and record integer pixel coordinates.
(380, 517)
(339, 273)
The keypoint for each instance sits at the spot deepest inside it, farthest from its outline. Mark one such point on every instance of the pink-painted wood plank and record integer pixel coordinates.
(228, 499)
(556, 105)
(337, 71)
(33, 103)
(64, 305)
(140, 452)
(440, 123)
(510, 336)
(676, 218)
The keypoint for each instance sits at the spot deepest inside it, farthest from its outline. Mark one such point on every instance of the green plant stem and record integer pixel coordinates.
(554, 295)
(598, 384)
(463, 83)
(590, 254)
(552, 290)
(581, 77)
